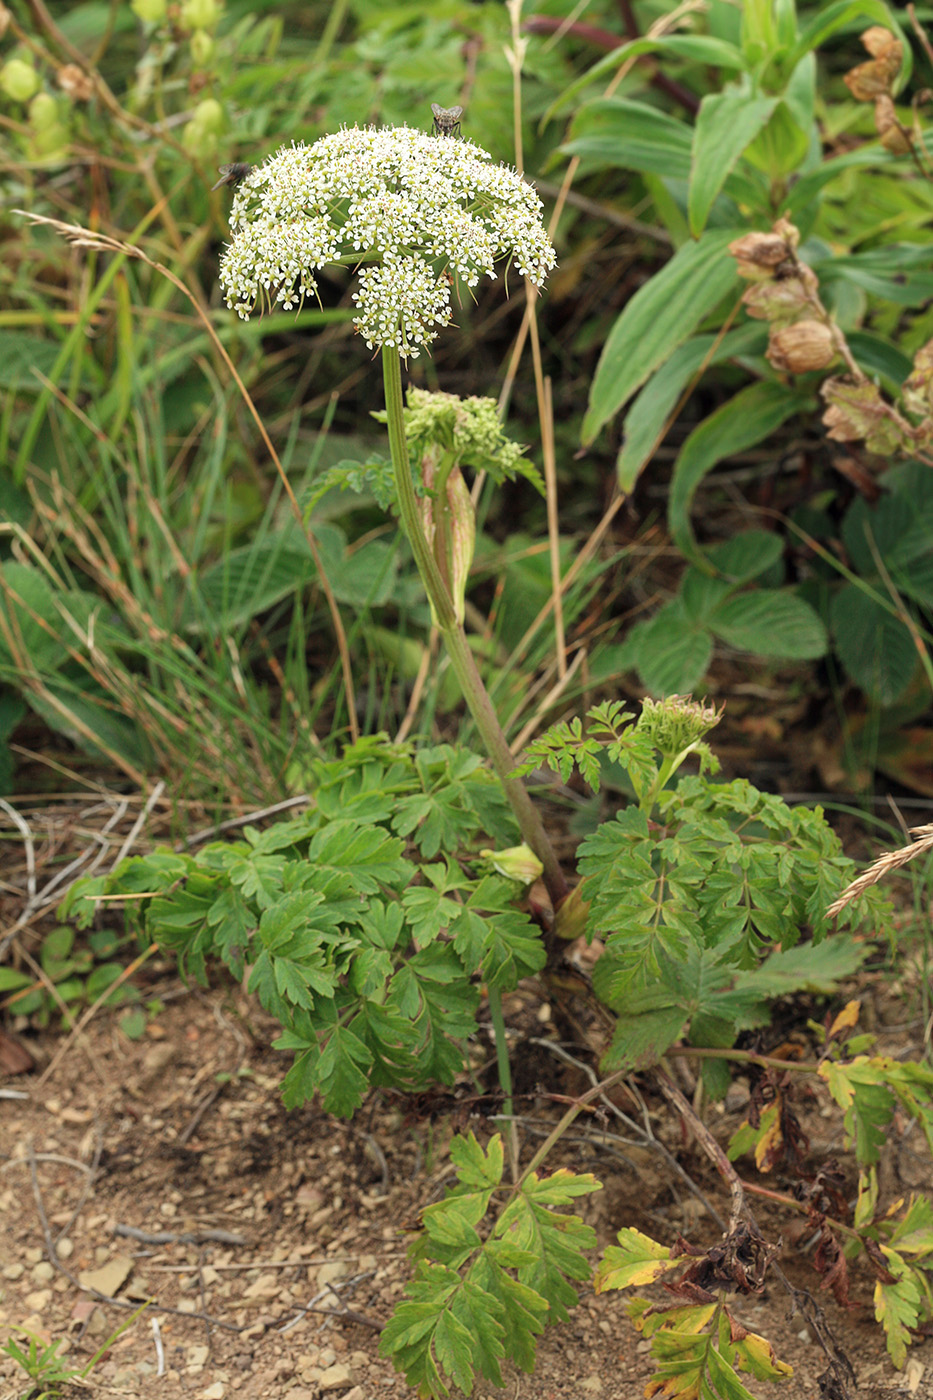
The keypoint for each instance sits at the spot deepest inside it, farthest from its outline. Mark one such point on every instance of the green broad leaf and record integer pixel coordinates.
(13, 981)
(875, 647)
(770, 622)
(726, 123)
(671, 650)
(899, 272)
(752, 415)
(898, 1305)
(695, 48)
(629, 135)
(746, 555)
(647, 419)
(877, 356)
(32, 637)
(660, 316)
(637, 1260)
(20, 355)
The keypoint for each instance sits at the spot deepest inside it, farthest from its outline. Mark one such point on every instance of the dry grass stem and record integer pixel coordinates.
(891, 860)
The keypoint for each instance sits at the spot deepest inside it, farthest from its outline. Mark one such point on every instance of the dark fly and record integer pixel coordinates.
(446, 120)
(232, 174)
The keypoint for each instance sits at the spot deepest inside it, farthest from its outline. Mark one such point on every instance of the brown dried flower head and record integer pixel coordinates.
(759, 255)
(785, 300)
(75, 83)
(858, 413)
(917, 391)
(893, 134)
(801, 347)
(876, 78)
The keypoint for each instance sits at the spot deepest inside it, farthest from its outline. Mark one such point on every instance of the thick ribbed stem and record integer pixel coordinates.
(454, 637)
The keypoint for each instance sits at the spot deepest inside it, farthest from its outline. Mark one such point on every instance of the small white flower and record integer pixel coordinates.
(417, 212)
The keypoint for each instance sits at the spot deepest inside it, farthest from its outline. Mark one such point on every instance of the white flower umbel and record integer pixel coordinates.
(418, 212)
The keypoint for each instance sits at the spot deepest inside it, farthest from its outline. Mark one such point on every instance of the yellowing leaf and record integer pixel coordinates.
(769, 1147)
(897, 1305)
(637, 1259)
(846, 1020)
(756, 1354)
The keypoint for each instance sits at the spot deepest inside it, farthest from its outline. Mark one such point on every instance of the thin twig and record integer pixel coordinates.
(131, 1232)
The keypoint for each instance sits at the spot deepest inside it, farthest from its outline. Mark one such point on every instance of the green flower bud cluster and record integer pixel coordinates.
(676, 726)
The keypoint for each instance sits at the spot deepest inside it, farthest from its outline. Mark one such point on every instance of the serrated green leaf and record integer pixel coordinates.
(672, 651)
(770, 622)
(875, 647)
(897, 1305)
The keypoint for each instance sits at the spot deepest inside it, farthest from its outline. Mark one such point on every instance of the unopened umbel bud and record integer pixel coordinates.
(462, 518)
(515, 863)
(571, 916)
(804, 346)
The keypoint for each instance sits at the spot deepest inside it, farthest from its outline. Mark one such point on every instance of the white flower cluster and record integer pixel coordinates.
(416, 211)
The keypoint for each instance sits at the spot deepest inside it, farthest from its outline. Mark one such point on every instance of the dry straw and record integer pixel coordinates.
(893, 860)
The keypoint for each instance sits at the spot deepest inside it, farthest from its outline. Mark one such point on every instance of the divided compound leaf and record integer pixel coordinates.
(898, 1301)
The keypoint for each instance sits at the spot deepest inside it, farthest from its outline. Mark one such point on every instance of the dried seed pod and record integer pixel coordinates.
(801, 347)
(759, 255)
(876, 78)
(894, 136)
(917, 389)
(858, 413)
(75, 83)
(785, 300)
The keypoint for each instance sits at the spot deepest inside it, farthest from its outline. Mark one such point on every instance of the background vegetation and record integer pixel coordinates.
(200, 584)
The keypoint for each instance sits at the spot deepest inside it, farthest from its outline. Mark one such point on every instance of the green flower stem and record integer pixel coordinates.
(458, 648)
(504, 1069)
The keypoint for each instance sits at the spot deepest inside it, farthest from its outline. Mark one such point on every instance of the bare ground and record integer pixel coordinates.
(144, 1136)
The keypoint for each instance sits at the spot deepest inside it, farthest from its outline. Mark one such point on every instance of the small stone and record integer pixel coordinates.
(213, 1392)
(357, 1393)
(32, 1256)
(337, 1377)
(359, 1360)
(196, 1358)
(327, 1357)
(43, 1272)
(330, 1273)
(592, 1384)
(65, 1248)
(14, 1271)
(39, 1300)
